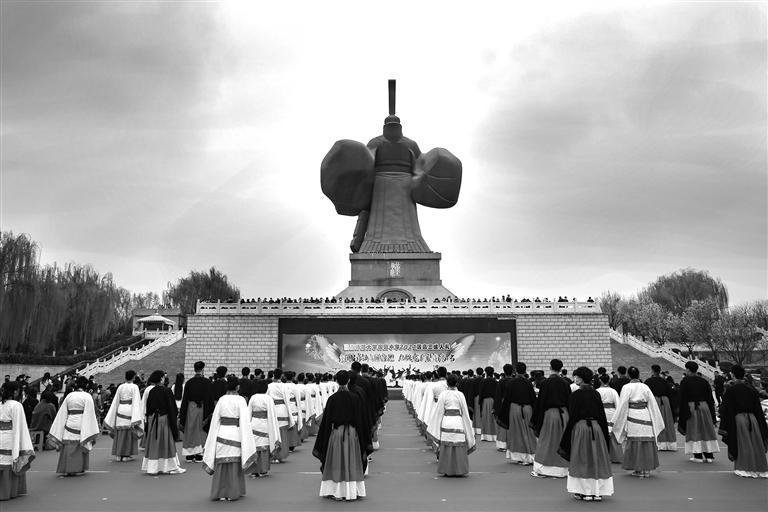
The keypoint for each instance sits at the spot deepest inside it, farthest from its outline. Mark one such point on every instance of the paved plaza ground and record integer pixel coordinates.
(401, 478)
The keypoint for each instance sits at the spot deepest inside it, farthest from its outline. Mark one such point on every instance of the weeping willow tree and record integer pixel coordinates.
(46, 308)
(211, 285)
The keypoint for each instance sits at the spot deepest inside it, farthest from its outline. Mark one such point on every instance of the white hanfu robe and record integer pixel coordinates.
(451, 433)
(276, 390)
(637, 424)
(125, 419)
(74, 432)
(230, 448)
(16, 450)
(265, 429)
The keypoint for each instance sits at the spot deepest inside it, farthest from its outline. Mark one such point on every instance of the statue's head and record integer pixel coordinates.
(393, 130)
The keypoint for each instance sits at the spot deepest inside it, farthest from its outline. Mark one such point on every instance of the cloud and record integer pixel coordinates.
(602, 145)
(645, 128)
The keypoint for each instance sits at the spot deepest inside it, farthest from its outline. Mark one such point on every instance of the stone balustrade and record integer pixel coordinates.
(653, 350)
(479, 308)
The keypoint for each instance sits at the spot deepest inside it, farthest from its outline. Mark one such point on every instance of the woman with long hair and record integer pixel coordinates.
(178, 389)
(162, 430)
(16, 450)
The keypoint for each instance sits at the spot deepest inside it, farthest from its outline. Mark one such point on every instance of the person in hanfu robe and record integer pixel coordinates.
(74, 430)
(743, 427)
(610, 399)
(162, 430)
(475, 404)
(697, 416)
(550, 416)
(314, 410)
(502, 424)
(230, 449)
(306, 409)
(195, 412)
(124, 420)
(451, 432)
(43, 414)
(584, 442)
(487, 392)
(264, 426)
(662, 391)
(431, 394)
(16, 450)
(343, 443)
(517, 408)
(636, 424)
(292, 400)
(276, 390)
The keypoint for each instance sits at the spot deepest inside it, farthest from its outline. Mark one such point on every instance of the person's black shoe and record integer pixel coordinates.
(199, 458)
(190, 458)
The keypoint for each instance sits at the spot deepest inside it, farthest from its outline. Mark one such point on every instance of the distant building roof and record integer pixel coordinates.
(156, 318)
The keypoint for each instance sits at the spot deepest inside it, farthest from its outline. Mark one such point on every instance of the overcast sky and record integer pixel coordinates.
(603, 144)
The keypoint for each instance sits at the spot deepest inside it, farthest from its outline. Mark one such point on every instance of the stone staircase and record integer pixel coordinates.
(625, 355)
(169, 359)
(655, 351)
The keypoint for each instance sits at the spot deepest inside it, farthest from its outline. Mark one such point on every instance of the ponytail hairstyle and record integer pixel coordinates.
(178, 386)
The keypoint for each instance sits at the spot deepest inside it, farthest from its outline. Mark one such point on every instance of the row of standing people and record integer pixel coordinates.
(233, 439)
(545, 427)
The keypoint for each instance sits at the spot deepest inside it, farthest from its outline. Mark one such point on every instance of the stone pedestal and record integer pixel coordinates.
(395, 276)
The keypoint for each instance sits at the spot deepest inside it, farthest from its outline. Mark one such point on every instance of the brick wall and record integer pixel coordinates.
(231, 340)
(577, 340)
(251, 340)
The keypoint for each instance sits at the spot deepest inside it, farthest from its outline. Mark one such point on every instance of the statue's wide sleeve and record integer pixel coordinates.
(437, 179)
(346, 176)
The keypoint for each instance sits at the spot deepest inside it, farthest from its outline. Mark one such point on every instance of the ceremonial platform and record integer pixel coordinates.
(255, 334)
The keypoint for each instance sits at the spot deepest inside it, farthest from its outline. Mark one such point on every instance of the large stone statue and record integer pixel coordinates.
(381, 183)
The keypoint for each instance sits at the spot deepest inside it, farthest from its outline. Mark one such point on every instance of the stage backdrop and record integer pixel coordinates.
(397, 344)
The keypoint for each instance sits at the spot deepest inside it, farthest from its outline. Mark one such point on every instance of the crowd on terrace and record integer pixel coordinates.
(379, 300)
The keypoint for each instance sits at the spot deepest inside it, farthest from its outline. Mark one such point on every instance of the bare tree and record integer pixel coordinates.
(699, 320)
(736, 334)
(609, 304)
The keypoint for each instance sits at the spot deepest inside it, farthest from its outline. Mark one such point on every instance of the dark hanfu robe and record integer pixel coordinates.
(697, 416)
(218, 389)
(585, 444)
(515, 414)
(162, 433)
(662, 391)
(342, 446)
(195, 411)
(364, 427)
(374, 403)
(550, 416)
(42, 416)
(487, 392)
(744, 430)
(501, 429)
(474, 402)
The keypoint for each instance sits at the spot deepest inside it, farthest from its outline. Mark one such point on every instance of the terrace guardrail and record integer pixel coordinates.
(394, 308)
(133, 353)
